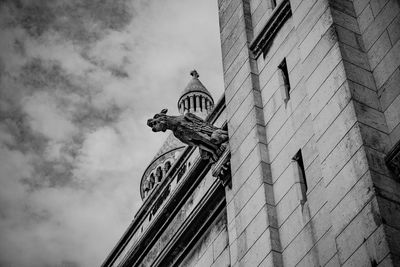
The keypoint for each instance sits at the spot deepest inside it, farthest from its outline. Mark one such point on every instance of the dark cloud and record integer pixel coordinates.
(77, 20)
(39, 74)
(19, 47)
(118, 72)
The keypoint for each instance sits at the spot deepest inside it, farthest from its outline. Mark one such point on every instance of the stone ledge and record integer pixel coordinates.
(263, 40)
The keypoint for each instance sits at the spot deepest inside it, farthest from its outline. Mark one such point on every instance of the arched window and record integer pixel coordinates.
(152, 180)
(167, 166)
(158, 174)
(146, 186)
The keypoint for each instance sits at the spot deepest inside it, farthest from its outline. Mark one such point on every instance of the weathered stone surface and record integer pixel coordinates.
(321, 253)
(346, 178)
(326, 66)
(345, 20)
(284, 158)
(377, 5)
(345, 6)
(332, 83)
(256, 254)
(350, 206)
(223, 260)
(379, 50)
(253, 99)
(278, 140)
(355, 56)
(229, 12)
(331, 110)
(381, 22)
(237, 64)
(392, 114)
(220, 244)
(264, 8)
(365, 18)
(336, 131)
(371, 117)
(253, 117)
(313, 37)
(374, 249)
(350, 38)
(279, 49)
(359, 75)
(234, 50)
(305, 240)
(394, 30)
(390, 90)
(364, 95)
(388, 65)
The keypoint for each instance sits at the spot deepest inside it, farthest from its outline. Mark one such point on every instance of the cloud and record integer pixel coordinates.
(78, 80)
(76, 20)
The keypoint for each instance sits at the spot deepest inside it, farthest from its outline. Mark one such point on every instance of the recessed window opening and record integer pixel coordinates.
(158, 174)
(167, 166)
(298, 158)
(284, 75)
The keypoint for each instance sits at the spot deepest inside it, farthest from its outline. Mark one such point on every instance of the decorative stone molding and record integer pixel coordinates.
(160, 200)
(393, 160)
(222, 168)
(263, 40)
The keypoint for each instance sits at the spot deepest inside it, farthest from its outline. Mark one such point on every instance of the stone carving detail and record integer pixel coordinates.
(222, 168)
(192, 131)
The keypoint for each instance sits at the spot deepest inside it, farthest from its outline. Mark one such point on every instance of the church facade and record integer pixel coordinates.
(311, 175)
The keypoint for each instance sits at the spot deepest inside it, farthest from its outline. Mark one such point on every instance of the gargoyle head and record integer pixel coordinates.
(159, 121)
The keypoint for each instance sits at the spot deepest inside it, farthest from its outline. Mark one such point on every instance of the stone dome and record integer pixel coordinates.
(194, 85)
(195, 98)
(158, 168)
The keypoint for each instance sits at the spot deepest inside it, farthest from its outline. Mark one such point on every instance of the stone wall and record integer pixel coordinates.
(343, 113)
(212, 248)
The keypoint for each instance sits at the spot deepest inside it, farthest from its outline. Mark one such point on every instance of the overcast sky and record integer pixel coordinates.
(78, 80)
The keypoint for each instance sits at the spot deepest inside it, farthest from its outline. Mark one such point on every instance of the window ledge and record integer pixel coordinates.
(262, 41)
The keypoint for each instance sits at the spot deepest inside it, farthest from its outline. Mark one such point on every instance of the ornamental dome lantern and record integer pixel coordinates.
(195, 98)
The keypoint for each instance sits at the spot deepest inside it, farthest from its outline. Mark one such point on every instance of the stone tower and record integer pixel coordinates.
(312, 91)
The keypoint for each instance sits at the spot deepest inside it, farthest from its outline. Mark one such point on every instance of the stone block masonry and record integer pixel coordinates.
(342, 59)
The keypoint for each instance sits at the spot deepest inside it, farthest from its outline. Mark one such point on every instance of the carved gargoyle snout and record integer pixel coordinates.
(158, 122)
(157, 125)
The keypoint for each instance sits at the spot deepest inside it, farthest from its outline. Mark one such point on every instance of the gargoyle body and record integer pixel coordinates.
(192, 131)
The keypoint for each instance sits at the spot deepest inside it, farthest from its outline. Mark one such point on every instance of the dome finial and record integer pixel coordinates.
(194, 74)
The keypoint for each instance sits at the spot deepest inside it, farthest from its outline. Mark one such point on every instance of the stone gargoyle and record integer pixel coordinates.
(192, 131)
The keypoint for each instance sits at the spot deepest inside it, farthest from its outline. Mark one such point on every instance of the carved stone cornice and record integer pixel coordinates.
(393, 160)
(263, 40)
(222, 168)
